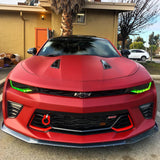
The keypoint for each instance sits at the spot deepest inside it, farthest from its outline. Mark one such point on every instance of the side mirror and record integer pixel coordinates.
(125, 53)
(32, 51)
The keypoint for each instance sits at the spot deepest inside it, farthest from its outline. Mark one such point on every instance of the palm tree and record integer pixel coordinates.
(68, 9)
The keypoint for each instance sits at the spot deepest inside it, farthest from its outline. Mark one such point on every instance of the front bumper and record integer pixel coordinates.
(19, 126)
(83, 145)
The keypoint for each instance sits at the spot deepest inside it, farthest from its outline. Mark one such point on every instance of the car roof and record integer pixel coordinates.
(82, 37)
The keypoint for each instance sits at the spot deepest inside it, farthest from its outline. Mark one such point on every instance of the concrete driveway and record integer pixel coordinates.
(156, 60)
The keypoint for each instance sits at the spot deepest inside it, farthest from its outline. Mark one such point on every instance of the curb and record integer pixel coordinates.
(156, 77)
(2, 82)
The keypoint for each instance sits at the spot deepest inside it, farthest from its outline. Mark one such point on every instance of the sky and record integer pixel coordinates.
(144, 33)
(11, 1)
(147, 31)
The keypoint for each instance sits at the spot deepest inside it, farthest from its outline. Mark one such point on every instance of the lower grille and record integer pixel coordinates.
(75, 123)
(13, 109)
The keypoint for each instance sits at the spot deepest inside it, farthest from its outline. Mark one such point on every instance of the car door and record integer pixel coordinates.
(132, 54)
(139, 54)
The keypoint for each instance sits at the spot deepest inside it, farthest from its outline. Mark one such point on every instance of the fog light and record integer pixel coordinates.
(147, 110)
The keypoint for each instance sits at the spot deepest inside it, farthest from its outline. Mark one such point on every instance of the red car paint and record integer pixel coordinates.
(79, 73)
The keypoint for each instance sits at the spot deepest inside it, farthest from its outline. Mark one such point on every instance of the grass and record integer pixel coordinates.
(156, 56)
(152, 67)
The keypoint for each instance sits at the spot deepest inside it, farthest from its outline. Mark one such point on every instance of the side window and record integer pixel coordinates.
(133, 51)
(139, 51)
(80, 18)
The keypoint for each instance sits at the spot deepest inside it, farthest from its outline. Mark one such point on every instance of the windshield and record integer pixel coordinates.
(78, 46)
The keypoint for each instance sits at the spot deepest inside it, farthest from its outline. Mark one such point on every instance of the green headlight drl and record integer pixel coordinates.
(24, 90)
(136, 91)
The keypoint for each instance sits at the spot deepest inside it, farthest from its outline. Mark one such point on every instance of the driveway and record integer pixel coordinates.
(156, 60)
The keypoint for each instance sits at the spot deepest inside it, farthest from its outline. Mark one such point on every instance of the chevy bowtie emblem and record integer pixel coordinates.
(82, 94)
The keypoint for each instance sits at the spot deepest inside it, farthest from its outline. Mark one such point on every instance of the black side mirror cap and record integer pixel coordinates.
(125, 53)
(32, 51)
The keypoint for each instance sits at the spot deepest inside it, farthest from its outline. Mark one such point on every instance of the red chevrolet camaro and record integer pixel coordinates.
(79, 91)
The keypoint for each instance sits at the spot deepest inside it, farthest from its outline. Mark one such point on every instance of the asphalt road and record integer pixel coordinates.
(14, 149)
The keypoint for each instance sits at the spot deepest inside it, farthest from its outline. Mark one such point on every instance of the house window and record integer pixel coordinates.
(80, 18)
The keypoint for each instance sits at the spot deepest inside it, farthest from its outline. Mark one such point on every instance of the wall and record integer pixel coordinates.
(12, 31)
(98, 23)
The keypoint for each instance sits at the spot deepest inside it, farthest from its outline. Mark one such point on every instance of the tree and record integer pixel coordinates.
(152, 49)
(133, 21)
(31, 2)
(154, 43)
(137, 45)
(154, 39)
(128, 43)
(140, 39)
(68, 9)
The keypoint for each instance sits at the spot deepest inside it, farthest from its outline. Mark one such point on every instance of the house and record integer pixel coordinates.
(24, 26)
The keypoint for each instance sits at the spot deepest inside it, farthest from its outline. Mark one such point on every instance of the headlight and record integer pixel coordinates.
(22, 87)
(140, 89)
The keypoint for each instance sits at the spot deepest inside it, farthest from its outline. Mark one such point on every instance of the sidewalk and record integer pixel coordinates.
(3, 74)
(156, 77)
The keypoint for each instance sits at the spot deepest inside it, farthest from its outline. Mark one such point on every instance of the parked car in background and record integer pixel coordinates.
(139, 54)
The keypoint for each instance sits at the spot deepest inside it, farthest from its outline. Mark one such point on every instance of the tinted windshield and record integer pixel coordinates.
(78, 46)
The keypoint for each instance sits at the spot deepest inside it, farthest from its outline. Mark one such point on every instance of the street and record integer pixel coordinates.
(15, 149)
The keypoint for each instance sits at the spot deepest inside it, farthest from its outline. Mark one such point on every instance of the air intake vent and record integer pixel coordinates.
(122, 122)
(13, 109)
(105, 64)
(147, 110)
(56, 64)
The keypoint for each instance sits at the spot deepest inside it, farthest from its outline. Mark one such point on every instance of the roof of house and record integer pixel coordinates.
(99, 5)
(24, 8)
(110, 6)
(45, 6)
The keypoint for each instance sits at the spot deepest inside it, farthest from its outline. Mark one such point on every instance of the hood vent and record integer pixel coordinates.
(56, 64)
(105, 65)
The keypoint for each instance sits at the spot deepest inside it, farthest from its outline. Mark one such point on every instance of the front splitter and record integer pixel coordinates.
(84, 145)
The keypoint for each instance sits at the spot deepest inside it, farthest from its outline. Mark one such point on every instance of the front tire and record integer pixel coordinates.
(143, 58)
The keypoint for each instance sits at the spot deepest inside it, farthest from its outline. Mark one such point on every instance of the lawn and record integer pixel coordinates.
(152, 67)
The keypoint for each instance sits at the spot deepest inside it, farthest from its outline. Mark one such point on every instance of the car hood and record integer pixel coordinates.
(79, 68)
(75, 72)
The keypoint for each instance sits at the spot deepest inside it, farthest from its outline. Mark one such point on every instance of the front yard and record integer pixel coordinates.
(152, 67)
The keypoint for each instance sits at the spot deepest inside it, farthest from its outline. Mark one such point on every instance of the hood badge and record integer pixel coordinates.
(82, 94)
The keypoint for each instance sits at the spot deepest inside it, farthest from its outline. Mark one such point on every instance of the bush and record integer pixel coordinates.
(137, 45)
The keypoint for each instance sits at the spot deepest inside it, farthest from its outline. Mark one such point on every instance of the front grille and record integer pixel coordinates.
(75, 123)
(13, 109)
(82, 94)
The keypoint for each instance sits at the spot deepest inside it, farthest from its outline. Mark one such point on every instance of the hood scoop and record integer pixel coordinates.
(105, 64)
(56, 64)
